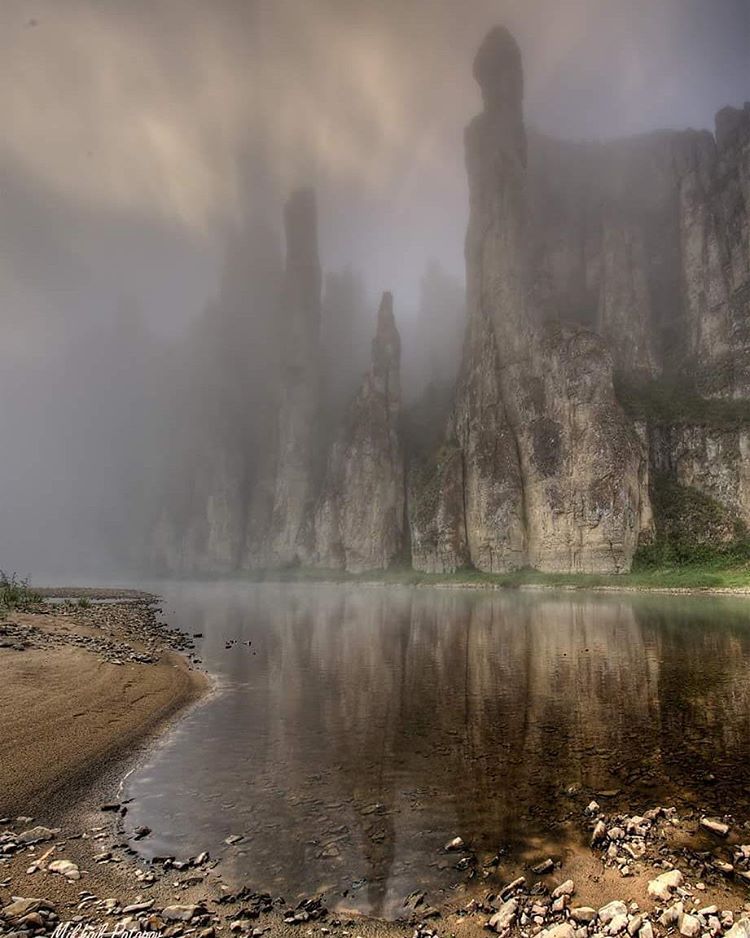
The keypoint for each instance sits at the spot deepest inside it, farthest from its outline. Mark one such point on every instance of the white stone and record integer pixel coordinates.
(600, 832)
(617, 924)
(179, 913)
(564, 889)
(740, 929)
(715, 827)
(65, 868)
(565, 930)
(608, 911)
(503, 918)
(664, 885)
(690, 925)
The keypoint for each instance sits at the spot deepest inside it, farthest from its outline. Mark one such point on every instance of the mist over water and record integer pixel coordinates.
(147, 151)
(355, 731)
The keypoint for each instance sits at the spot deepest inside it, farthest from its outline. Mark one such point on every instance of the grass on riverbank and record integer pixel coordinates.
(15, 593)
(719, 572)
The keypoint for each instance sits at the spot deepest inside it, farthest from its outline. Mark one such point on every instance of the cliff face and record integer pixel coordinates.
(359, 517)
(647, 241)
(552, 470)
(283, 537)
(228, 359)
(589, 266)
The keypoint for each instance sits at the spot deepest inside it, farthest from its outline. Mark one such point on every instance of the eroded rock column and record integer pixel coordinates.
(359, 518)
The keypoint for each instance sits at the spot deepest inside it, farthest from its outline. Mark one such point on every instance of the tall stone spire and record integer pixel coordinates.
(359, 519)
(297, 427)
(550, 471)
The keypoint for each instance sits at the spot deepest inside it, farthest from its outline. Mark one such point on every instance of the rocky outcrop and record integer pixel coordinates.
(714, 190)
(289, 476)
(466, 503)
(553, 473)
(359, 517)
(228, 358)
(711, 460)
(585, 263)
(647, 241)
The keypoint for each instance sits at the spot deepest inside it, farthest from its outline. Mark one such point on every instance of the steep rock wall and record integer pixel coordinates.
(559, 470)
(359, 517)
(647, 241)
(288, 478)
(713, 460)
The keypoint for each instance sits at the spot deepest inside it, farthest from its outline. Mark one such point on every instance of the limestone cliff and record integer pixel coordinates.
(279, 532)
(592, 269)
(647, 241)
(359, 517)
(227, 359)
(711, 460)
(553, 472)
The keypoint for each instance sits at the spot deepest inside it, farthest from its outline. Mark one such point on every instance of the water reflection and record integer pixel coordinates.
(359, 729)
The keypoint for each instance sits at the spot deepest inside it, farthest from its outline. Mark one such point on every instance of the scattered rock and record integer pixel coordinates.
(664, 885)
(689, 925)
(138, 907)
(455, 844)
(180, 913)
(714, 827)
(504, 917)
(740, 930)
(599, 834)
(564, 930)
(38, 835)
(564, 889)
(610, 910)
(20, 907)
(65, 868)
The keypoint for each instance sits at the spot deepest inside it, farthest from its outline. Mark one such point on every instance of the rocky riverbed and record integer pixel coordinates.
(641, 876)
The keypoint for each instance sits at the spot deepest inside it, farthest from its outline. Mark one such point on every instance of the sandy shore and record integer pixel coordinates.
(84, 689)
(76, 698)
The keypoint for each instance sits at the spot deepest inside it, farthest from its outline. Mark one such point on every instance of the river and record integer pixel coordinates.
(357, 729)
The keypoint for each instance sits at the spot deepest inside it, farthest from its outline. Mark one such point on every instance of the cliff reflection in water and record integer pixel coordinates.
(362, 728)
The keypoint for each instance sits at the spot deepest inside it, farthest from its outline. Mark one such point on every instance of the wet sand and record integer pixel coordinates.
(66, 711)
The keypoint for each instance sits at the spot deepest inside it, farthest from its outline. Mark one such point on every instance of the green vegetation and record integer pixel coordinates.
(723, 571)
(84, 602)
(672, 400)
(15, 593)
(692, 530)
(699, 544)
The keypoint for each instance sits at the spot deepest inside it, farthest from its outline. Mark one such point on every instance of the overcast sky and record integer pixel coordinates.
(134, 131)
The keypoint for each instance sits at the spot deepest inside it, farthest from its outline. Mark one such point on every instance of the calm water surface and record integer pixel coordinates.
(357, 729)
